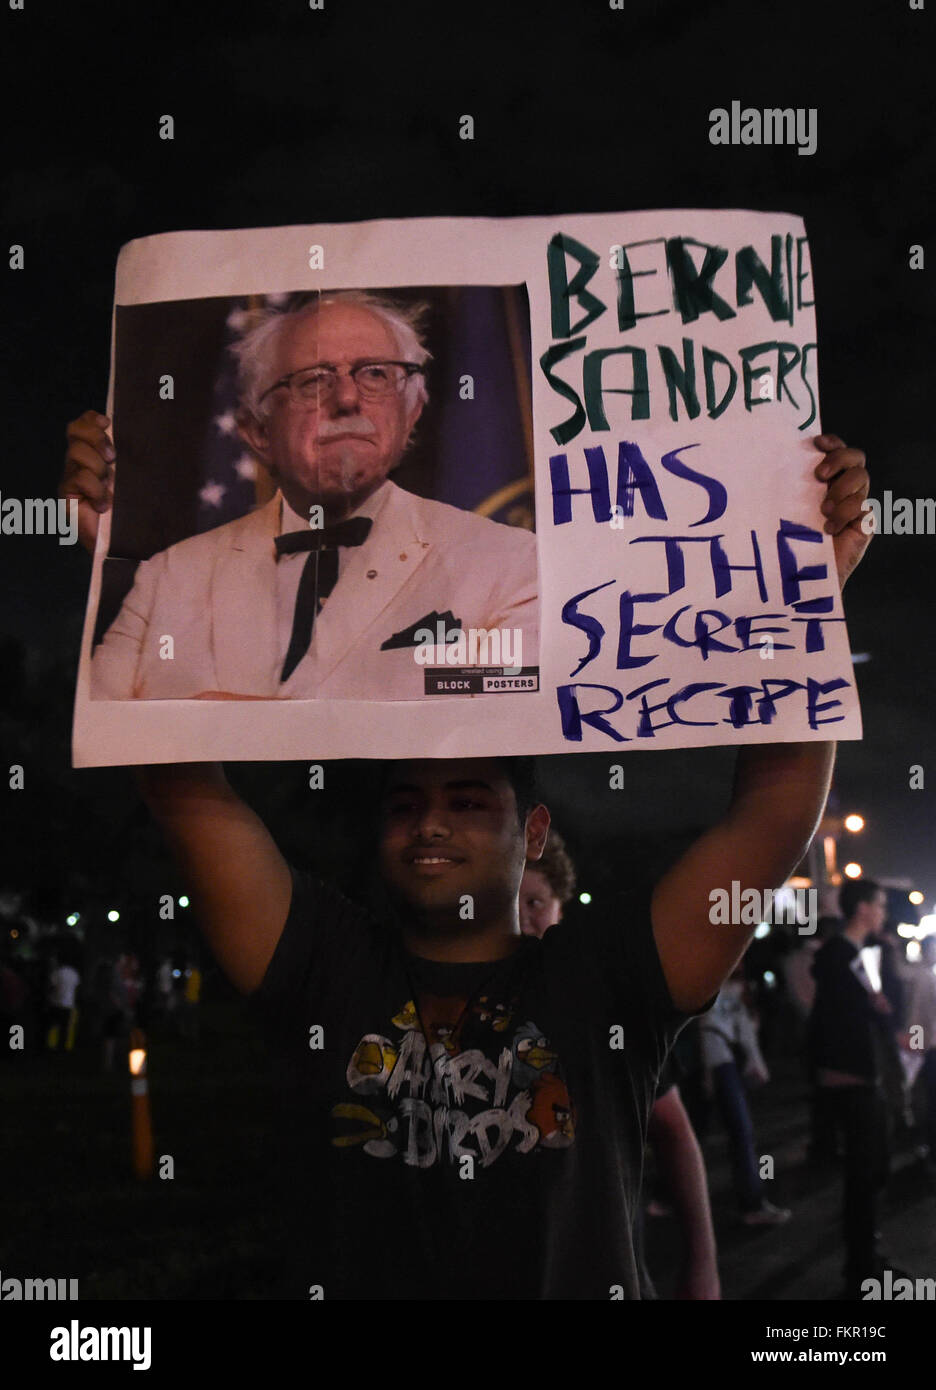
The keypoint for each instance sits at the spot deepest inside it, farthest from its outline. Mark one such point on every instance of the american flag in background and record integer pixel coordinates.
(485, 453)
(230, 485)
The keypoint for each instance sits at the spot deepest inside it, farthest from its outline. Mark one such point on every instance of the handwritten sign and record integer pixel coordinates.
(678, 589)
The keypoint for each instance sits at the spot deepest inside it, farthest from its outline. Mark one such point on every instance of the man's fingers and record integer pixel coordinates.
(86, 486)
(825, 442)
(82, 455)
(846, 513)
(90, 428)
(836, 460)
(853, 480)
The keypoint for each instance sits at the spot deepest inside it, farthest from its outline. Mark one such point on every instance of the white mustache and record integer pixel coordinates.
(360, 425)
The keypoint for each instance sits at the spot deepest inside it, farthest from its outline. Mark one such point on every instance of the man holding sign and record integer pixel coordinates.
(474, 1101)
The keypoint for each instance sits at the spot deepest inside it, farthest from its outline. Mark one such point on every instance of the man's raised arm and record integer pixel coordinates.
(240, 884)
(779, 794)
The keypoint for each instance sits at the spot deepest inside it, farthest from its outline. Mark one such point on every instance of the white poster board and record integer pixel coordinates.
(679, 591)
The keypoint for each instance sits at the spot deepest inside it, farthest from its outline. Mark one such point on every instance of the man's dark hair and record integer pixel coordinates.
(855, 892)
(520, 773)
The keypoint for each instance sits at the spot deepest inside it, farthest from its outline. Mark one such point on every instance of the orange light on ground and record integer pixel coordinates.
(854, 824)
(141, 1128)
(852, 871)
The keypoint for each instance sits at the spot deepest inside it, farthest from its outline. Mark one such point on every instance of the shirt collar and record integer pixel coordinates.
(371, 506)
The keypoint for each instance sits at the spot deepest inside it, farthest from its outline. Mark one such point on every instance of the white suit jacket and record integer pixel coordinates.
(214, 595)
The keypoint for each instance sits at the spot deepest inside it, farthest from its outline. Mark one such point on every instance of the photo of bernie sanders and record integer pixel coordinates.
(327, 590)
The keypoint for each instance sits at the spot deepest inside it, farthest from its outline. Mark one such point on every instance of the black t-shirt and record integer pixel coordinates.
(465, 1130)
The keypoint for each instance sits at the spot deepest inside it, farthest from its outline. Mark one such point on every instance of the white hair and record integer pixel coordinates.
(256, 348)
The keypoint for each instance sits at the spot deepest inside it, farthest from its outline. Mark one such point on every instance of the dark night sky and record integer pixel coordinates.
(287, 115)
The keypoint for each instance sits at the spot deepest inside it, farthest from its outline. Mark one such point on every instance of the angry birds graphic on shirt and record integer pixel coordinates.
(455, 1078)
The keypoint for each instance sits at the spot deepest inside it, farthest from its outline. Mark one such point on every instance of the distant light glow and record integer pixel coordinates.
(913, 950)
(113, 915)
(72, 919)
(852, 871)
(584, 897)
(854, 823)
(763, 930)
(138, 1061)
(770, 979)
(183, 901)
(916, 897)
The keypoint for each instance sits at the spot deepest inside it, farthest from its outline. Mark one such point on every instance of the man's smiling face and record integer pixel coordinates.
(450, 829)
(339, 453)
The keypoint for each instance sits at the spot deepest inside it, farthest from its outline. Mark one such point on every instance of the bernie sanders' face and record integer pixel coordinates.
(338, 453)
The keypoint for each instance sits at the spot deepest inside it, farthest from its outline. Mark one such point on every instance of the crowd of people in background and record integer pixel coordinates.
(864, 1024)
(61, 1002)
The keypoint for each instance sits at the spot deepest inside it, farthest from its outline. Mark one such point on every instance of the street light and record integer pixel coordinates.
(852, 871)
(916, 897)
(113, 915)
(854, 823)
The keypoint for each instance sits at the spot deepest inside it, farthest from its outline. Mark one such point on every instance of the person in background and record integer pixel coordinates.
(921, 1016)
(118, 1010)
(894, 989)
(166, 993)
(801, 992)
(731, 1057)
(849, 1032)
(191, 997)
(546, 887)
(64, 980)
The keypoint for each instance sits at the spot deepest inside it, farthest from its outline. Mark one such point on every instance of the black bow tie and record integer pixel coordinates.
(354, 531)
(319, 576)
